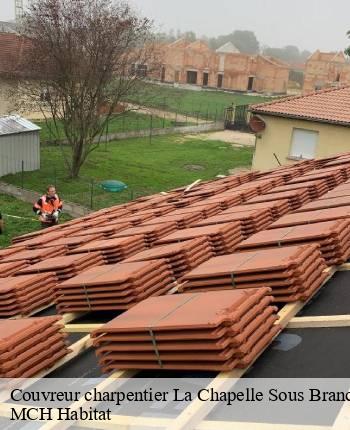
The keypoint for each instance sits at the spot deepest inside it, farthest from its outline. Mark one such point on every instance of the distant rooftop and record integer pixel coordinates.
(14, 124)
(228, 48)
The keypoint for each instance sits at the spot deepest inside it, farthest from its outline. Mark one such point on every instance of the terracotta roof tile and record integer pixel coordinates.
(330, 106)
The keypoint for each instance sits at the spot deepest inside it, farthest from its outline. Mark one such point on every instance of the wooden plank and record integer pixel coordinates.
(71, 316)
(189, 188)
(81, 328)
(344, 267)
(320, 321)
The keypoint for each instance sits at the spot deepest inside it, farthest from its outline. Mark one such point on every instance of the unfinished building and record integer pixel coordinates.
(227, 68)
(326, 70)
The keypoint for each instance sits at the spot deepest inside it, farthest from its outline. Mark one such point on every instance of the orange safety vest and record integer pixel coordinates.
(49, 206)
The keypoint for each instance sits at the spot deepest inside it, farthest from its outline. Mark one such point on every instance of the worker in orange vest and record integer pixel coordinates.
(48, 207)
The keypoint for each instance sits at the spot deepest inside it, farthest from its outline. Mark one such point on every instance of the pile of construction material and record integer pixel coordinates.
(20, 295)
(293, 273)
(219, 330)
(28, 346)
(114, 287)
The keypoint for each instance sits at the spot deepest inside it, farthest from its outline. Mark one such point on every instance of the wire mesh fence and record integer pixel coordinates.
(85, 191)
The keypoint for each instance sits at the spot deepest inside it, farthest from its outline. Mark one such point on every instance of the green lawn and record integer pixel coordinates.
(17, 226)
(205, 103)
(128, 121)
(165, 163)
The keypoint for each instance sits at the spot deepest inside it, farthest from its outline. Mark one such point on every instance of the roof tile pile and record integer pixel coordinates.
(332, 236)
(296, 198)
(323, 203)
(105, 230)
(277, 208)
(333, 178)
(218, 331)
(151, 233)
(11, 268)
(182, 220)
(311, 217)
(33, 256)
(206, 209)
(223, 238)
(225, 200)
(114, 287)
(73, 242)
(315, 188)
(21, 295)
(181, 257)
(67, 266)
(28, 346)
(251, 221)
(114, 250)
(293, 272)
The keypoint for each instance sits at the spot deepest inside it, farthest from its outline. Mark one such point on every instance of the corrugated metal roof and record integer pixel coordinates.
(15, 124)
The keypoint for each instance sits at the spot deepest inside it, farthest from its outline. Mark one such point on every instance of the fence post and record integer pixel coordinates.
(197, 116)
(216, 113)
(92, 194)
(123, 125)
(164, 120)
(175, 119)
(55, 176)
(22, 175)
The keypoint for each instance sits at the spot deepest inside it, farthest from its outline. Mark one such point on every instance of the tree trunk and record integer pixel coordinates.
(77, 160)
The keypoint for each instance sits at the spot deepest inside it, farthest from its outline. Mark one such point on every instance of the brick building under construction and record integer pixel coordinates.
(196, 64)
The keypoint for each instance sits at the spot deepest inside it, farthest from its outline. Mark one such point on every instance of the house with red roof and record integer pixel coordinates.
(291, 129)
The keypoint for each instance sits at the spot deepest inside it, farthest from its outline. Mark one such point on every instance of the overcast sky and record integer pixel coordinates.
(309, 24)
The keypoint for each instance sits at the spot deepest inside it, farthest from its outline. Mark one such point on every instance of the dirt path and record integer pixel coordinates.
(237, 138)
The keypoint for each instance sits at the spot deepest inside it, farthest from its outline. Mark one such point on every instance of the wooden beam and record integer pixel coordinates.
(71, 316)
(342, 422)
(81, 328)
(344, 267)
(320, 321)
(189, 188)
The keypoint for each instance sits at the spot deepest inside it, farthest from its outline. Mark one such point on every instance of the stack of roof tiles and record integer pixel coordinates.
(296, 198)
(310, 217)
(293, 272)
(33, 256)
(223, 238)
(28, 346)
(114, 287)
(206, 209)
(114, 250)
(216, 331)
(67, 266)
(226, 200)
(332, 236)
(21, 295)
(73, 242)
(151, 233)
(181, 257)
(105, 231)
(333, 178)
(325, 203)
(251, 221)
(11, 268)
(315, 188)
(277, 208)
(182, 220)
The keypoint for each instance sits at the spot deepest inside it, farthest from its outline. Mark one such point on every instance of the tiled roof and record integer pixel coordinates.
(329, 106)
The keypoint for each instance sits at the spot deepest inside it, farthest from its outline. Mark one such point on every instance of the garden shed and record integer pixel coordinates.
(19, 145)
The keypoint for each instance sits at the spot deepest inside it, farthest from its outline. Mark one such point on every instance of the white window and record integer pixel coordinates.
(304, 143)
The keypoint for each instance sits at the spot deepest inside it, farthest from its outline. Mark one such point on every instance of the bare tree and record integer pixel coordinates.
(83, 55)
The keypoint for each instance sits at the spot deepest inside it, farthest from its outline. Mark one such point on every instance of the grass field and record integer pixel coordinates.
(130, 121)
(17, 226)
(205, 103)
(146, 168)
